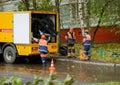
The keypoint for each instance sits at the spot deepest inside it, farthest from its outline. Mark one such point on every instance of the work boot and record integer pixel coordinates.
(69, 55)
(73, 55)
(43, 60)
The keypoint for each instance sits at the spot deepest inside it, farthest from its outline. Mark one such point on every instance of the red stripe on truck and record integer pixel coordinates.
(6, 30)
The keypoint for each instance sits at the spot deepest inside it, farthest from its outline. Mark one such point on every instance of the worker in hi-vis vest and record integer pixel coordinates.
(70, 39)
(87, 43)
(43, 47)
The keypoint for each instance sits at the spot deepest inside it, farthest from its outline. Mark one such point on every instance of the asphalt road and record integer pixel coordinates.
(81, 71)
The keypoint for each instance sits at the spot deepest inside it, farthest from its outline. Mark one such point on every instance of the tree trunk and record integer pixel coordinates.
(26, 2)
(86, 13)
(80, 12)
(34, 5)
(83, 14)
(1, 7)
(99, 21)
(57, 5)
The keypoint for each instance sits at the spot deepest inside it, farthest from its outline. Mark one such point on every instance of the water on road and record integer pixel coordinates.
(82, 73)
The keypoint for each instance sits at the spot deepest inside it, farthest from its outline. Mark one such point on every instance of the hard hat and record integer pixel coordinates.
(71, 28)
(86, 30)
(43, 36)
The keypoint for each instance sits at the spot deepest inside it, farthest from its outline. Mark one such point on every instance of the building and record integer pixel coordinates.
(70, 16)
(8, 5)
(68, 13)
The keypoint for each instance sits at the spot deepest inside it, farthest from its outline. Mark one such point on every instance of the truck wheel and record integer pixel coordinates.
(9, 55)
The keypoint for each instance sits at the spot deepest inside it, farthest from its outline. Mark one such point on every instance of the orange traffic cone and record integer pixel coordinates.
(52, 68)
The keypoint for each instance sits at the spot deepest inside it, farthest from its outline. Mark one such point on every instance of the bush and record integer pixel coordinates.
(37, 81)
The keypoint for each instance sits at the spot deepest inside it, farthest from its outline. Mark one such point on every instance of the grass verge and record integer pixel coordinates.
(107, 52)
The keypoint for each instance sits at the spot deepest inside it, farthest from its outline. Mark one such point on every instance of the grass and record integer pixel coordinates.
(103, 52)
(109, 83)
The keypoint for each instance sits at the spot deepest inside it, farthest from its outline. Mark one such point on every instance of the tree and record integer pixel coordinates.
(26, 2)
(80, 7)
(100, 10)
(1, 6)
(44, 5)
(57, 4)
(34, 4)
(83, 6)
(2, 2)
(23, 5)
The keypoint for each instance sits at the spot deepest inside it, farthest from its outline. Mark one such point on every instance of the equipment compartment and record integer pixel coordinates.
(44, 23)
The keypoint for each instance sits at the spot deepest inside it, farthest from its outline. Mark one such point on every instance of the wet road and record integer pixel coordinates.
(82, 73)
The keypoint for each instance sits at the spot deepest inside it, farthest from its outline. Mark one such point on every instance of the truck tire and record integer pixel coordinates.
(9, 55)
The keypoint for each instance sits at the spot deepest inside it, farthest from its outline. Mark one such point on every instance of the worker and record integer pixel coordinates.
(43, 48)
(87, 43)
(70, 39)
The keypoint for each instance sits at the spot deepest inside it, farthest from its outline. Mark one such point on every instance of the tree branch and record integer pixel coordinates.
(100, 18)
(34, 4)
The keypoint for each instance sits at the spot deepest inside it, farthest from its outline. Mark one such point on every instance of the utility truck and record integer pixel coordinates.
(18, 28)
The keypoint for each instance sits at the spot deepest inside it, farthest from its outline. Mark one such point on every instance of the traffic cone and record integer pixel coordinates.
(52, 68)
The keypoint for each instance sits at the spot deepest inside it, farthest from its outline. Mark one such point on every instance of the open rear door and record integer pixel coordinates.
(21, 32)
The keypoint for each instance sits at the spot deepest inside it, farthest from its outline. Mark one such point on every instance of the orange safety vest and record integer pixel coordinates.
(43, 45)
(42, 42)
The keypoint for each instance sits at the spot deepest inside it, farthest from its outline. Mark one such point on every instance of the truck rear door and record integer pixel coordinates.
(21, 25)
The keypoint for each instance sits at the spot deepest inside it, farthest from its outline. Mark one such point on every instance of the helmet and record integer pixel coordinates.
(86, 30)
(71, 28)
(43, 36)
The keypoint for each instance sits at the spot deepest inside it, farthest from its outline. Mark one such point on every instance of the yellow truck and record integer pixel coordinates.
(18, 28)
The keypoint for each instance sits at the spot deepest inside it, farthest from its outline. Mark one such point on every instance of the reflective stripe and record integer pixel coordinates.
(43, 45)
(43, 50)
(86, 44)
